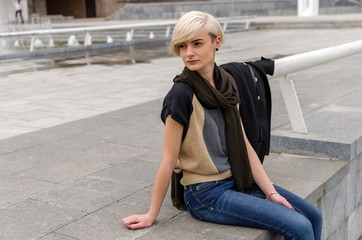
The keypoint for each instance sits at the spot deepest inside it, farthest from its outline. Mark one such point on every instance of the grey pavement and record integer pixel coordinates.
(80, 146)
(31, 100)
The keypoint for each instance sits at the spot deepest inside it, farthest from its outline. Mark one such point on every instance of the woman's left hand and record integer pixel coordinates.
(277, 198)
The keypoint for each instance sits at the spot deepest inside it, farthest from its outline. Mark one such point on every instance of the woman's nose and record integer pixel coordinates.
(189, 51)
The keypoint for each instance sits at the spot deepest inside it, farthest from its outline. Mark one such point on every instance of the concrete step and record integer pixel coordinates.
(306, 23)
(308, 177)
(81, 178)
(334, 130)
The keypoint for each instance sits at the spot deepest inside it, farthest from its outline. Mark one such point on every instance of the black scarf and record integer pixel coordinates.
(224, 96)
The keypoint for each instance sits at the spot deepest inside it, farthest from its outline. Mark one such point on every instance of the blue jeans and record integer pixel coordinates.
(218, 202)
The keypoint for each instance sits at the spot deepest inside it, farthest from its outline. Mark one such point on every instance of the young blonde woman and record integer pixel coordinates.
(223, 178)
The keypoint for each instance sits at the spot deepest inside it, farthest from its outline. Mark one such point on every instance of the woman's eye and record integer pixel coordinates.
(197, 43)
(181, 46)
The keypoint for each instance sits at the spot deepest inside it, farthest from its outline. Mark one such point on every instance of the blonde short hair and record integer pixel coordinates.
(190, 24)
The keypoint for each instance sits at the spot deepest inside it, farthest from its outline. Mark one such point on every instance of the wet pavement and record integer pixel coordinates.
(125, 55)
(43, 92)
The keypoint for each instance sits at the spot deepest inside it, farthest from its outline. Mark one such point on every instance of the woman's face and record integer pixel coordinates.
(198, 53)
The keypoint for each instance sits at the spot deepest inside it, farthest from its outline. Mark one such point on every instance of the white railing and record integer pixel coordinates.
(87, 29)
(163, 29)
(291, 64)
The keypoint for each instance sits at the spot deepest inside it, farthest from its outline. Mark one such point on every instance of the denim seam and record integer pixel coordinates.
(187, 191)
(248, 219)
(198, 200)
(190, 208)
(208, 186)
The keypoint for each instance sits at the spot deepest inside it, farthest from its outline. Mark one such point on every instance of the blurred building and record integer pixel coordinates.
(148, 9)
(82, 8)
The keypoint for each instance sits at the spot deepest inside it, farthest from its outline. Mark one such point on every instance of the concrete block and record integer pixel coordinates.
(194, 229)
(3, 153)
(55, 236)
(311, 191)
(127, 133)
(340, 233)
(88, 194)
(352, 182)
(269, 158)
(134, 173)
(15, 143)
(64, 170)
(338, 176)
(106, 223)
(8, 168)
(142, 135)
(33, 219)
(358, 181)
(297, 144)
(358, 146)
(300, 167)
(355, 223)
(305, 176)
(112, 153)
(143, 197)
(343, 142)
(14, 189)
(37, 155)
(78, 142)
(333, 207)
(61, 132)
(319, 205)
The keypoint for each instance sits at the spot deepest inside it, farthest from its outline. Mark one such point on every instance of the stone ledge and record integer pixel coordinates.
(308, 177)
(334, 130)
(108, 164)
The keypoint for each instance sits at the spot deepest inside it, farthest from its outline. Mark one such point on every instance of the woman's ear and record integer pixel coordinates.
(217, 42)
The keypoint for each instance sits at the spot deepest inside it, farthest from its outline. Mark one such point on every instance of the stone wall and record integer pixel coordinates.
(148, 1)
(232, 8)
(339, 197)
(174, 8)
(337, 136)
(105, 8)
(332, 185)
(218, 9)
(40, 7)
(341, 203)
(340, 6)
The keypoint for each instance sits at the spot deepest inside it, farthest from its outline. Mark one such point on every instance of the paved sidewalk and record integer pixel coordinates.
(78, 180)
(31, 100)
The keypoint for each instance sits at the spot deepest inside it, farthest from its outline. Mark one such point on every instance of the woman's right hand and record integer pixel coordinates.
(171, 149)
(138, 221)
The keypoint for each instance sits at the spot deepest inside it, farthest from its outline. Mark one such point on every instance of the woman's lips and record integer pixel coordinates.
(192, 61)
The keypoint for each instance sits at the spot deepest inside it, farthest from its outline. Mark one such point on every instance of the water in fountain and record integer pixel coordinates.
(21, 43)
